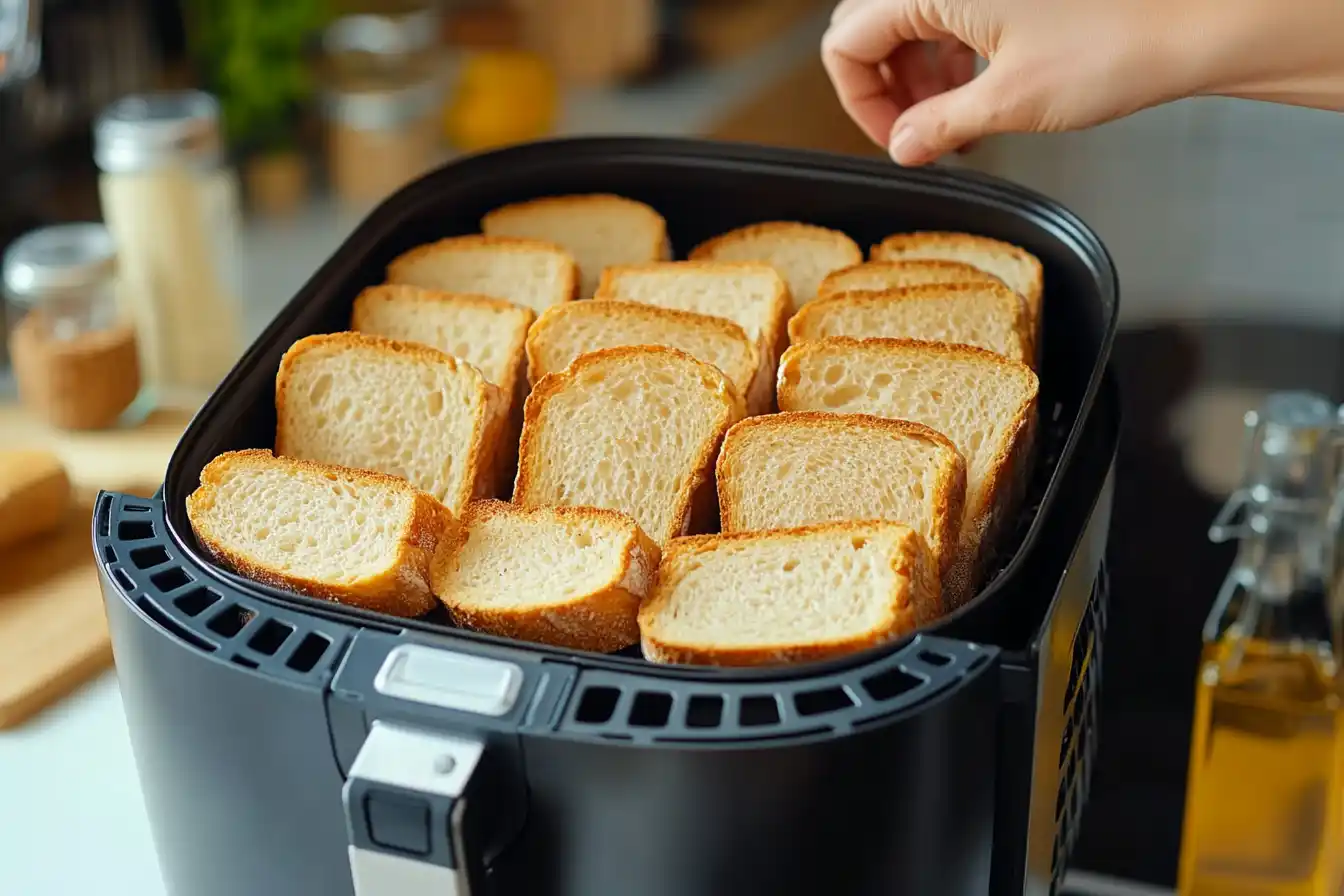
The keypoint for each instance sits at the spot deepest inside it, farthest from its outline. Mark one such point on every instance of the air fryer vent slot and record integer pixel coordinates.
(813, 703)
(109, 554)
(123, 580)
(650, 709)
(703, 711)
(597, 706)
(309, 653)
(135, 530)
(167, 623)
(270, 637)
(891, 684)
(171, 579)
(196, 602)
(933, 658)
(756, 712)
(245, 662)
(148, 558)
(1078, 743)
(230, 620)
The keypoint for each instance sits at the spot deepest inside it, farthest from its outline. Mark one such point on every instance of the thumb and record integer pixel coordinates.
(987, 104)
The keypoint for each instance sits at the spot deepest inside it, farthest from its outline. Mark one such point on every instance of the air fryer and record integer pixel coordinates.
(288, 745)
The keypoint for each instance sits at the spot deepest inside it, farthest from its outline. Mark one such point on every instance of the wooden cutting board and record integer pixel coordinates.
(53, 631)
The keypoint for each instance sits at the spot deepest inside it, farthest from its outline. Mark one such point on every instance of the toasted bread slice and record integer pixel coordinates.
(355, 537)
(634, 429)
(983, 402)
(804, 254)
(530, 273)
(1016, 267)
(577, 328)
(566, 576)
(489, 334)
(786, 596)
(751, 294)
(598, 229)
(986, 315)
(400, 408)
(879, 276)
(801, 468)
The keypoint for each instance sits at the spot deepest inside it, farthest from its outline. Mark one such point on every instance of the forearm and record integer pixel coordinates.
(1283, 51)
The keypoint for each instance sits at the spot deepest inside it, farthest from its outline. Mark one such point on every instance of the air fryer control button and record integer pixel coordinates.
(450, 680)
(398, 822)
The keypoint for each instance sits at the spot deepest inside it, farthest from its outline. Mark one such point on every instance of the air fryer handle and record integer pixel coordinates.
(408, 809)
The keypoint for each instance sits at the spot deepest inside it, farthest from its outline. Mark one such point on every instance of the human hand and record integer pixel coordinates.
(904, 69)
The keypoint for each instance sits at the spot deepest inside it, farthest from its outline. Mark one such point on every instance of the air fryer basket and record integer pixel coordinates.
(989, 716)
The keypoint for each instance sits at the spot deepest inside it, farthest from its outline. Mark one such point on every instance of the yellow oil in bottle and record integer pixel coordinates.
(1265, 801)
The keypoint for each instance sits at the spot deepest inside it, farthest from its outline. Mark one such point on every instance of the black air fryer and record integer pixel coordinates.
(291, 746)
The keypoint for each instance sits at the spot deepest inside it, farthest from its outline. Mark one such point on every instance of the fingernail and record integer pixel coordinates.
(905, 147)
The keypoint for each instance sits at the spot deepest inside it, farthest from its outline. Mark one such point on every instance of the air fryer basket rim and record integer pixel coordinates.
(1039, 211)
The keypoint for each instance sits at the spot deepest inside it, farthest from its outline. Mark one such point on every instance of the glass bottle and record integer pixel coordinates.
(1264, 812)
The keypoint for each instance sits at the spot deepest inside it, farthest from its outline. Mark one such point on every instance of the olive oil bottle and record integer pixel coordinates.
(1264, 812)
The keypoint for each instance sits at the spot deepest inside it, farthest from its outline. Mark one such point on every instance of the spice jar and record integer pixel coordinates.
(171, 204)
(75, 358)
(383, 88)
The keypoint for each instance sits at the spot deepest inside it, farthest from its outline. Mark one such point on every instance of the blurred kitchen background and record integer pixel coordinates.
(1225, 218)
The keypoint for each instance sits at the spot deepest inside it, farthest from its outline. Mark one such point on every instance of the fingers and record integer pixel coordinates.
(863, 36)
(943, 123)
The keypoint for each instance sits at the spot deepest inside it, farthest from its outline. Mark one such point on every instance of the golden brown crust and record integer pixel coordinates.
(552, 384)
(760, 395)
(706, 251)
(402, 590)
(569, 285)
(613, 309)
(478, 478)
(1014, 306)
(969, 273)
(918, 604)
(604, 620)
(659, 247)
(898, 244)
(949, 483)
(1010, 466)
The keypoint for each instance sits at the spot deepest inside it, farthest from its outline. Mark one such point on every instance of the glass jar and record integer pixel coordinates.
(75, 356)
(172, 206)
(383, 89)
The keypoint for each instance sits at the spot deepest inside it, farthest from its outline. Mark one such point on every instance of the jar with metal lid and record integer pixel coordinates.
(383, 87)
(172, 206)
(74, 353)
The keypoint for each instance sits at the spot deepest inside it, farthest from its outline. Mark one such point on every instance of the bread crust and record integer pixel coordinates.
(603, 620)
(812, 232)
(916, 605)
(760, 395)
(1013, 304)
(614, 309)
(479, 479)
(968, 273)
(1010, 467)
(896, 245)
(660, 247)
(569, 282)
(950, 476)
(703, 469)
(401, 590)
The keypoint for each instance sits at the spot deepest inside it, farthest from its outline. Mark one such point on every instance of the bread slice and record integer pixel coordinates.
(751, 294)
(400, 408)
(577, 328)
(800, 468)
(530, 273)
(634, 429)
(489, 334)
(792, 595)
(878, 276)
(983, 402)
(355, 537)
(986, 315)
(35, 495)
(565, 576)
(597, 229)
(804, 254)
(1016, 267)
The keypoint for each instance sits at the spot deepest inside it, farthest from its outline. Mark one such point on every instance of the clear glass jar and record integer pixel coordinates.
(172, 206)
(75, 356)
